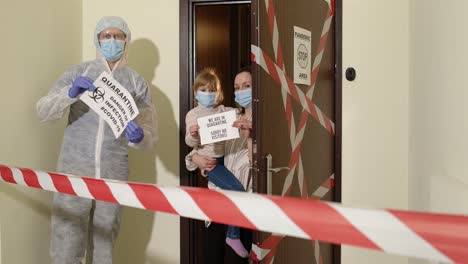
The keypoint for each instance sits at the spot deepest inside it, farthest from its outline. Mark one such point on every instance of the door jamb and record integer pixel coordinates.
(338, 111)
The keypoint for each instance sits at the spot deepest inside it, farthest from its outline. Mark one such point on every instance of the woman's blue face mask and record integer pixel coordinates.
(244, 97)
(112, 49)
(207, 99)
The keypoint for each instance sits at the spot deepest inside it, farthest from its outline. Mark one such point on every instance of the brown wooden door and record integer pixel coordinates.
(294, 123)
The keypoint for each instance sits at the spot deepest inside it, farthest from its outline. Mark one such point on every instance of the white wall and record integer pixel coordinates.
(439, 122)
(41, 47)
(148, 237)
(375, 111)
(405, 125)
(40, 40)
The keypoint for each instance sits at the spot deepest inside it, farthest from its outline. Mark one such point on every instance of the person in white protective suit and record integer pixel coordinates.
(89, 147)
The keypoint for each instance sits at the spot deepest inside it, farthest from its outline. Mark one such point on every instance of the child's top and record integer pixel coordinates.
(214, 150)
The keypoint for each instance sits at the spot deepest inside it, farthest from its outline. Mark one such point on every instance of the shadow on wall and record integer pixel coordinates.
(137, 224)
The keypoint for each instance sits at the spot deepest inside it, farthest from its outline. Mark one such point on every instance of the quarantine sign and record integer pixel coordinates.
(112, 102)
(218, 127)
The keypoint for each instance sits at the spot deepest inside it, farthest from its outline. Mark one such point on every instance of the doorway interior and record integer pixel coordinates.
(214, 34)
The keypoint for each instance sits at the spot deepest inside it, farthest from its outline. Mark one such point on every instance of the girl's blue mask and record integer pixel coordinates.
(244, 97)
(206, 99)
(112, 49)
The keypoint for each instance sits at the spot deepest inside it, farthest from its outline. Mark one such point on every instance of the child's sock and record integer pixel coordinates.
(237, 246)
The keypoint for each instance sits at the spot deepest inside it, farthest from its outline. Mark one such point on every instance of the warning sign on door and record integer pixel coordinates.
(302, 55)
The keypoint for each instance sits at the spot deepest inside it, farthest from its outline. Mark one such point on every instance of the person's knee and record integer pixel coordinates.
(71, 205)
(62, 258)
(237, 187)
(107, 217)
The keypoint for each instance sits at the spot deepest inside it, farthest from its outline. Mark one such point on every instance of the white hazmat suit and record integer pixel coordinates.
(89, 148)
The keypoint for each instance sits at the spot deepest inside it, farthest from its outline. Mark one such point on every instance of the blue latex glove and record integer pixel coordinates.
(134, 133)
(80, 85)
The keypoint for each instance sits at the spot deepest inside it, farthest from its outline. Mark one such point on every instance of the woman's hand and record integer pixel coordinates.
(245, 126)
(194, 130)
(204, 163)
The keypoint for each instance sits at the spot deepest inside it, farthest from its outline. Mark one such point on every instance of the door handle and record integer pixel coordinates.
(270, 172)
(278, 169)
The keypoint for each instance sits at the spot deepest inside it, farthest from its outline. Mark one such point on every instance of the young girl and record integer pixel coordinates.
(208, 93)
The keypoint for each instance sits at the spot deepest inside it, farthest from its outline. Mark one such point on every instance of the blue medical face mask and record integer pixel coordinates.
(206, 99)
(244, 97)
(112, 49)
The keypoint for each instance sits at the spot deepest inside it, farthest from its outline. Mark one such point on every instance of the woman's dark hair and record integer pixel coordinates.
(245, 69)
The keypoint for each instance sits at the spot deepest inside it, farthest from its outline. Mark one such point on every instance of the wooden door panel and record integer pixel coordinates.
(298, 139)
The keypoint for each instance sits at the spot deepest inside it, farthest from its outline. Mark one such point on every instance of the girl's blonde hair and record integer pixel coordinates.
(209, 77)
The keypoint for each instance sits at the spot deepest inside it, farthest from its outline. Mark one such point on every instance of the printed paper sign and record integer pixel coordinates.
(218, 127)
(302, 55)
(112, 102)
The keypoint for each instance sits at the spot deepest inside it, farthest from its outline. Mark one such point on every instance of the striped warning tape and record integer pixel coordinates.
(424, 235)
(268, 247)
(288, 85)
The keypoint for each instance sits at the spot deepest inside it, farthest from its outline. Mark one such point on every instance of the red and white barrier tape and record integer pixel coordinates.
(287, 84)
(424, 235)
(268, 247)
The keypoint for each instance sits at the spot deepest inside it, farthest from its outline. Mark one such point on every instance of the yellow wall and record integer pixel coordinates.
(439, 123)
(40, 39)
(375, 111)
(404, 118)
(37, 50)
(148, 237)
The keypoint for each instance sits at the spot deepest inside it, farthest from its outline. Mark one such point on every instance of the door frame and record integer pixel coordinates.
(188, 230)
(338, 111)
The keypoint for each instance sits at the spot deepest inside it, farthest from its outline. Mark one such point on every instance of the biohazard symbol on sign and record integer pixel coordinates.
(98, 95)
